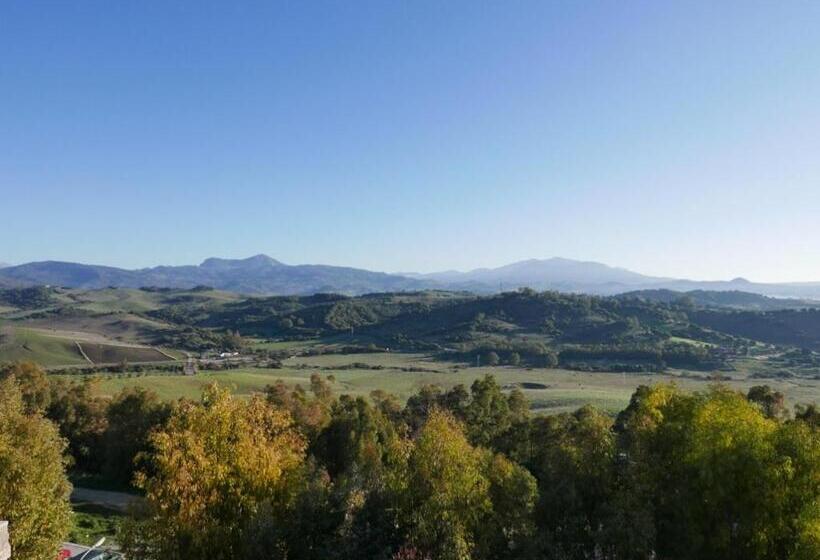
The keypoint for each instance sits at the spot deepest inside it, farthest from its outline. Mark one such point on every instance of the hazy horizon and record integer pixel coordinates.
(413, 272)
(672, 140)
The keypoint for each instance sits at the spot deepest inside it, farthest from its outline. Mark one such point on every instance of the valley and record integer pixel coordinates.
(562, 350)
(548, 390)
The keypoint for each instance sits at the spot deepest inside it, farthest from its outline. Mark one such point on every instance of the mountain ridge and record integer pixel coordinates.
(259, 274)
(262, 274)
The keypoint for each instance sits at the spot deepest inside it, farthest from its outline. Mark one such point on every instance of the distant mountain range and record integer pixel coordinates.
(569, 275)
(264, 275)
(559, 274)
(255, 275)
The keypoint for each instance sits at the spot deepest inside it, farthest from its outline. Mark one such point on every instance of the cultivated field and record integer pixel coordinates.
(28, 344)
(52, 348)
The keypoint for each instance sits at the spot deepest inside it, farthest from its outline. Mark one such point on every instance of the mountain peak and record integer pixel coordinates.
(256, 261)
(262, 258)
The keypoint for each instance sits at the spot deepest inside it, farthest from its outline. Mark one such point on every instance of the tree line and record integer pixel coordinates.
(459, 473)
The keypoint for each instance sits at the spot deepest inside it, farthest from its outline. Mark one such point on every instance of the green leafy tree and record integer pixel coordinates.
(344, 511)
(311, 415)
(81, 417)
(510, 529)
(420, 405)
(388, 405)
(457, 501)
(456, 400)
(550, 360)
(572, 458)
(488, 415)
(809, 414)
(446, 496)
(308, 529)
(515, 443)
(131, 416)
(719, 478)
(231, 340)
(771, 402)
(358, 436)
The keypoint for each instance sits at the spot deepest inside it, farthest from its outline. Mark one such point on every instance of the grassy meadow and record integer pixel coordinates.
(91, 521)
(549, 390)
(29, 344)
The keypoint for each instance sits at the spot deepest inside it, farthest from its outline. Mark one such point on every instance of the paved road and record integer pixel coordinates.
(113, 500)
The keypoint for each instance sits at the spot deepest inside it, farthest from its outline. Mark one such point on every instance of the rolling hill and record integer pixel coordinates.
(586, 332)
(730, 299)
(641, 331)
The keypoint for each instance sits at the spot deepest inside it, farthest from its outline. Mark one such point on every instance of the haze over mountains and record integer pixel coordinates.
(262, 274)
(259, 274)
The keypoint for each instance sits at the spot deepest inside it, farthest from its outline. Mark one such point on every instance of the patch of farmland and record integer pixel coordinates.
(25, 344)
(121, 327)
(111, 353)
(115, 300)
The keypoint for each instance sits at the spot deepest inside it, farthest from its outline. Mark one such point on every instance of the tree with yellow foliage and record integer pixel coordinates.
(33, 384)
(33, 486)
(216, 464)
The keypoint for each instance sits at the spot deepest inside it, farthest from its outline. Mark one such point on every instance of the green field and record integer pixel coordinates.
(110, 326)
(258, 344)
(116, 300)
(119, 300)
(549, 390)
(26, 344)
(61, 348)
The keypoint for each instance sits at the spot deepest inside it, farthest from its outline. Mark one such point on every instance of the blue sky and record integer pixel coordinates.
(678, 139)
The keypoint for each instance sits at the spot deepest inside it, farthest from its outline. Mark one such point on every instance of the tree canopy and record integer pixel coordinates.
(34, 489)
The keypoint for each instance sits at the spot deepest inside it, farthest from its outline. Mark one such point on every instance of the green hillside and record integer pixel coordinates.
(642, 332)
(25, 344)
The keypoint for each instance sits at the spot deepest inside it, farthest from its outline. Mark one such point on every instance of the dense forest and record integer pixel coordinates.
(463, 473)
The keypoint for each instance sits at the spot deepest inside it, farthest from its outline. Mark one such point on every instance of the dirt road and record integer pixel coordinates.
(112, 500)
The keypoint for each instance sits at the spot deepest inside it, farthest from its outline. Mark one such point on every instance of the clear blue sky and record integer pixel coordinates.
(678, 139)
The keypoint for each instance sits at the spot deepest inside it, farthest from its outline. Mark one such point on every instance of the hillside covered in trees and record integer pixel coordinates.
(644, 331)
(532, 328)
